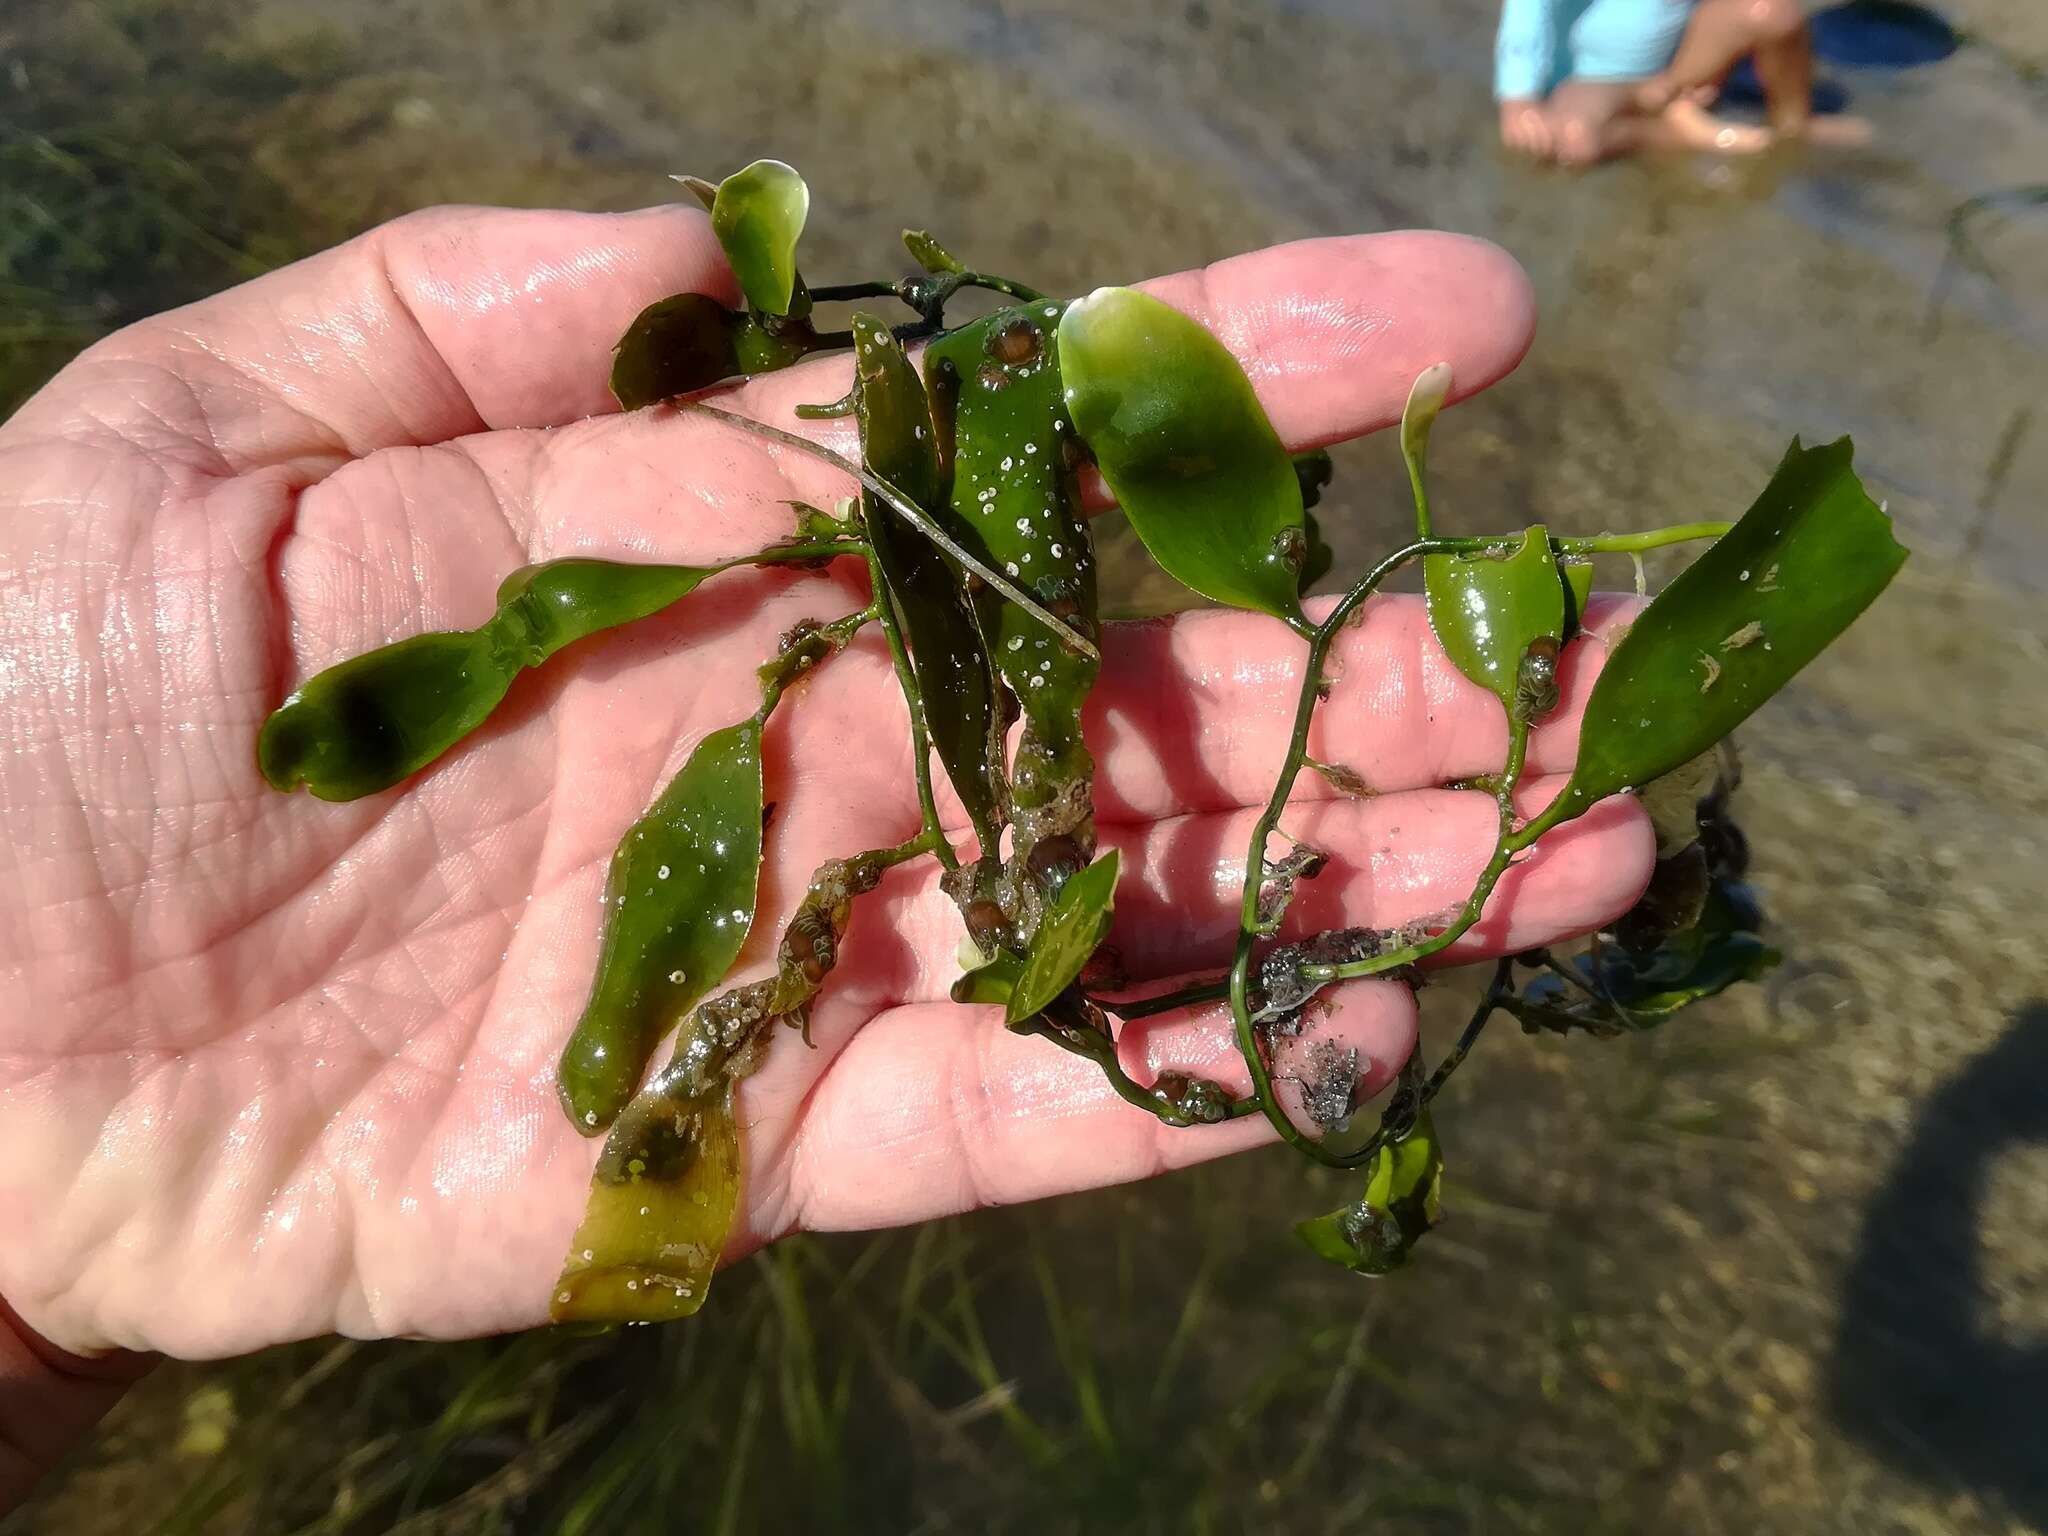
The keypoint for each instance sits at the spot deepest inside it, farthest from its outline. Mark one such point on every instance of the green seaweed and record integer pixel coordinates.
(983, 576)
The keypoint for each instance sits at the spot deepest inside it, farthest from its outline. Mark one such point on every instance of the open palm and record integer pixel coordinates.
(271, 1067)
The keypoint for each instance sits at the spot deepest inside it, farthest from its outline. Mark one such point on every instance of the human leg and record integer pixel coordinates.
(1775, 33)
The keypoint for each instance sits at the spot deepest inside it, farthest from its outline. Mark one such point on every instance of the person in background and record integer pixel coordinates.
(1584, 80)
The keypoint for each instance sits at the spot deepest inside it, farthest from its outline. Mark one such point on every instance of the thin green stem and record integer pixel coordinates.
(930, 840)
(1633, 543)
(1022, 293)
(781, 671)
(927, 295)
(1419, 488)
(839, 293)
(920, 731)
(1426, 396)
(1511, 842)
(931, 296)
(1501, 985)
(1186, 997)
(1100, 1049)
(1255, 859)
(1068, 1027)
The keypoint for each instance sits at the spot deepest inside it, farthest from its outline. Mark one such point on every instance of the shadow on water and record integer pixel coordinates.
(1882, 34)
(1743, 89)
(1918, 1374)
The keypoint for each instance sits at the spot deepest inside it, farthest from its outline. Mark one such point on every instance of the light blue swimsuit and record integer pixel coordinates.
(1544, 43)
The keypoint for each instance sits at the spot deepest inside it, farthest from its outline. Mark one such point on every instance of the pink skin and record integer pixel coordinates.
(272, 1068)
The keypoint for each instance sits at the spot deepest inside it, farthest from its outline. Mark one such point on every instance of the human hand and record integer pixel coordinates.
(271, 1067)
(1525, 129)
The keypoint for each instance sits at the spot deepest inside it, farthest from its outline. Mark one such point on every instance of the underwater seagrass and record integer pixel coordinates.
(982, 580)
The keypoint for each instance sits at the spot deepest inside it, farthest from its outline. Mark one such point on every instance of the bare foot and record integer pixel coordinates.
(1834, 131)
(1687, 125)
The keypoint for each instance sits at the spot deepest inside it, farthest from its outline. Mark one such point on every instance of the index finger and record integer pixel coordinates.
(1330, 331)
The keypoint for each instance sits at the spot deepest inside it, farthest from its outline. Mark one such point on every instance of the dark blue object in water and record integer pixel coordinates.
(1741, 89)
(1861, 34)
(1882, 34)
